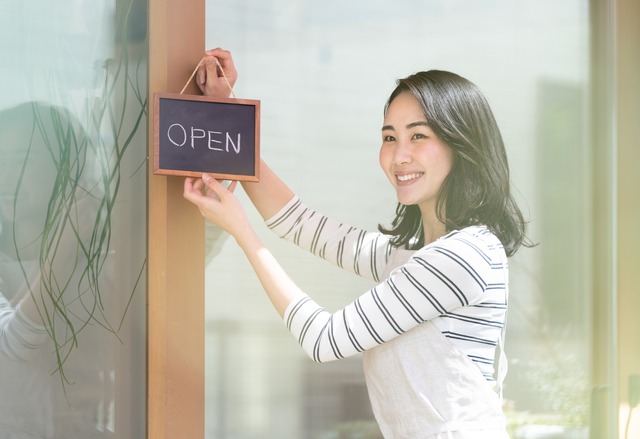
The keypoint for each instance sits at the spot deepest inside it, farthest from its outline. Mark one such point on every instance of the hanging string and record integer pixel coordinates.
(223, 75)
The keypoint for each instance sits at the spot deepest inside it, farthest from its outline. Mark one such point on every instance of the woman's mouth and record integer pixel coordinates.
(409, 178)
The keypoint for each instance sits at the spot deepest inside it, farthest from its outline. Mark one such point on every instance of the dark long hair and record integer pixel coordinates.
(477, 190)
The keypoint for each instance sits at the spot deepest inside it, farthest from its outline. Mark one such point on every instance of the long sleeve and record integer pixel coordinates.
(361, 252)
(19, 336)
(446, 277)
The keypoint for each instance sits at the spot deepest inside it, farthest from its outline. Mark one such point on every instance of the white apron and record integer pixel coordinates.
(422, 386)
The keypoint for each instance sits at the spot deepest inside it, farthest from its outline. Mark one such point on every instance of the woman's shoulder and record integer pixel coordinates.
(476, 232)
(477, 239)
(465, 259)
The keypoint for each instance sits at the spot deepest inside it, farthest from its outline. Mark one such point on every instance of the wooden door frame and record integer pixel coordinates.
(175, 344)
(627, 180)
(615, 29)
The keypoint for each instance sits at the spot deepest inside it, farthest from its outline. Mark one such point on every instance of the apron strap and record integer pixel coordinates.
(503, 364)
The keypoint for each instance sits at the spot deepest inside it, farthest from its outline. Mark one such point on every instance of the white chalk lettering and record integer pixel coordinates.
(184, 134)
(214, 140)
(230, 141)
(194, 137)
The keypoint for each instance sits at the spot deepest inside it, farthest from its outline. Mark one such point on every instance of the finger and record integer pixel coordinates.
(223, 57)
(190, 193)
(226, 63)
(188, 184)
(232, 186)
(193, 185)
(203, 189)
(219, 53)
(214, 185)
(211, 68)
(201, 76)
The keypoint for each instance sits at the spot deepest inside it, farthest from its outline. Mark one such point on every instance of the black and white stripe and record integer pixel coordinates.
(458, 283)
(19, 337)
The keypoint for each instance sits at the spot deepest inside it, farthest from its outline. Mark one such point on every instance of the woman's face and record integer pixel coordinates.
(414, 159)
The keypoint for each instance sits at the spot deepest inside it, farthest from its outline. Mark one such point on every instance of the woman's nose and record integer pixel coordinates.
(402, 154)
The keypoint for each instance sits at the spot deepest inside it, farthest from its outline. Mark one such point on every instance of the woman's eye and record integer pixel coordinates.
(419, 136)
(388, 138)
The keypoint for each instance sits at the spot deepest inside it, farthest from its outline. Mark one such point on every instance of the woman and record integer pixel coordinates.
(430, 329)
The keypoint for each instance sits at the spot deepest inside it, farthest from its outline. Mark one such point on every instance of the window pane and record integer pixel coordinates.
(72, 218)
(323, 71)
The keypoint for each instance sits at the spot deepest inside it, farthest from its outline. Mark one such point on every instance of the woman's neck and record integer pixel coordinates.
(432, 226)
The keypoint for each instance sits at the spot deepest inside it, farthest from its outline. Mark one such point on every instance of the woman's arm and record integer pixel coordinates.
(220, 206)
(446, 279)
(451, 274)
(270, 194)
(356, 250)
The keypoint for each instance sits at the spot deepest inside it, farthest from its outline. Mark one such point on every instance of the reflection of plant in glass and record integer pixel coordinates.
(560, 380)
(564, 384)
(85, 157)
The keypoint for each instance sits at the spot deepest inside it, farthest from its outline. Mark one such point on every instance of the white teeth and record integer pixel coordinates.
(408, 177)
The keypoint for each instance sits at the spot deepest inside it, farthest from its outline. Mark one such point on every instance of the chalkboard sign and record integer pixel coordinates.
(196, 134)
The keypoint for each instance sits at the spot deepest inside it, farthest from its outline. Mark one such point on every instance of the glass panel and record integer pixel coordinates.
(72, 219)
(323, 71)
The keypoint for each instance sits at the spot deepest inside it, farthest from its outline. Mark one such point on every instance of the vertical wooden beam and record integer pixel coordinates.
(616, 112)
(603, 423)
(175, 402)
(627, 35)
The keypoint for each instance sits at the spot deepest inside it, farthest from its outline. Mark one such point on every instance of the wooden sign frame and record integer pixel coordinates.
(251, 168)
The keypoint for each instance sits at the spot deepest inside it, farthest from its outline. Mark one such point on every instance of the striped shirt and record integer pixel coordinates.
(19, 336)
(458, 282)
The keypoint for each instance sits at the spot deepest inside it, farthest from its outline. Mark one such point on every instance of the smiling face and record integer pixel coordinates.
(414, 159)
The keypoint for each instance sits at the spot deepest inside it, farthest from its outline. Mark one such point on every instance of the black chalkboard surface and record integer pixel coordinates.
(196, 134)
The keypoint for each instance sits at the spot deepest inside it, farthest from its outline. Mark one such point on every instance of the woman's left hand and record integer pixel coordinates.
(217, 203)
(217, 74)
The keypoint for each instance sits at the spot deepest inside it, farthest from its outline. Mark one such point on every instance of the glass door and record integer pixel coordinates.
(72, 219)
(323, 71)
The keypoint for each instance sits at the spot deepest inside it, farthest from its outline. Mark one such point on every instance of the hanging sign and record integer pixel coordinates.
(196, 134)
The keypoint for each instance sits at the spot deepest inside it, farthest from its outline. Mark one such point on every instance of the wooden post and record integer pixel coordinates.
(175, 403)
(627, 67)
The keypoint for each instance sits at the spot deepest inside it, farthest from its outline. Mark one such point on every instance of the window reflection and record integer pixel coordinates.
(50, 211)
(71, 226)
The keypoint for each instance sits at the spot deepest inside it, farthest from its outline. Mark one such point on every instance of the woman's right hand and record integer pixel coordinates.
(211, 80)
(218, 204)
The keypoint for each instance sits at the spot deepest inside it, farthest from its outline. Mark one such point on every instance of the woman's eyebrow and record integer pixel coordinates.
(419, 124)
